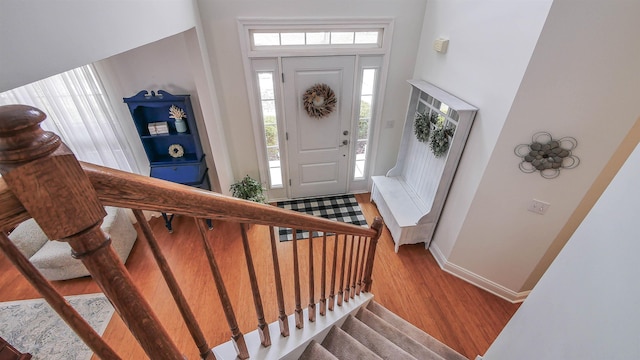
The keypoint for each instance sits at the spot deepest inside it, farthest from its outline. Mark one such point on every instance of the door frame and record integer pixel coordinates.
(272, 59)
(300, 73)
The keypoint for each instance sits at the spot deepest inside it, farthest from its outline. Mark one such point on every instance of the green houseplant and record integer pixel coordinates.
(249, 189)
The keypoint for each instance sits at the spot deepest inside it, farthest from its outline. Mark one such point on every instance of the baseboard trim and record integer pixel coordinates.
(475, 279)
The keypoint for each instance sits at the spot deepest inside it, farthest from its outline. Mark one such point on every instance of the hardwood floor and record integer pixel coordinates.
(409, 283)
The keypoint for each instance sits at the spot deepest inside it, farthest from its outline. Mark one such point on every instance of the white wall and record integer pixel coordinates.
(40, 38)
(220, 28)
(490, 46)
(586, 304)
(172, 64)
(570, 88)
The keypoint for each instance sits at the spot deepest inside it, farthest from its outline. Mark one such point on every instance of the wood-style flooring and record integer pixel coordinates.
(409, 283)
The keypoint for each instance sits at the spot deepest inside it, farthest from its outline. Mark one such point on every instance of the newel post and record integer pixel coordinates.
(51, 185)
(377, 225)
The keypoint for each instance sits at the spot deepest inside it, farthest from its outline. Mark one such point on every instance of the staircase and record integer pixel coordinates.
(41, 179)
(377, 333)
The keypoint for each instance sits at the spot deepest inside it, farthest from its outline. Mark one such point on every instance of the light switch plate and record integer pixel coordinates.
(538, 206)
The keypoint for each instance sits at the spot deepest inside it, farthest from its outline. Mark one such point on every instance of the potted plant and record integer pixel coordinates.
(249, 189)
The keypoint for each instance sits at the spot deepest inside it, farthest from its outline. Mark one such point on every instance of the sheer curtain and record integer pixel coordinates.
(78, 110)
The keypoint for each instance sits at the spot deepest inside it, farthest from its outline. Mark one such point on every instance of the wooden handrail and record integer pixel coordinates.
(123, 189)
(69, 205)
(49, 183)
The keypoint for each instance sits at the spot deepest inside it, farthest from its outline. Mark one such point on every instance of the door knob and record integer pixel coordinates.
(346, 132)
(345, 142)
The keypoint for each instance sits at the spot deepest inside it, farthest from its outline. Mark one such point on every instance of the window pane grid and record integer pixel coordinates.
(315, 38)
(364, 121)
(270, 124)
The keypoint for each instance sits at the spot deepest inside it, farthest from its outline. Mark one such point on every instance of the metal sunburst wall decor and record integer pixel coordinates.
(547, 155)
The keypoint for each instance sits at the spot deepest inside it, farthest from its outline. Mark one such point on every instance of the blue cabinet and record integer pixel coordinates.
(167, 128)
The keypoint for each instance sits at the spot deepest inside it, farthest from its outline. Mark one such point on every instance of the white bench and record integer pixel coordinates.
(411, 196)
(401, 208)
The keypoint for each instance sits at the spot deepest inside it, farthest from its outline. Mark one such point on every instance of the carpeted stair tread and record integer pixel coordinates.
(415, 333)
(315, 351)
(394, 335)
(374, 341)
(344, 347)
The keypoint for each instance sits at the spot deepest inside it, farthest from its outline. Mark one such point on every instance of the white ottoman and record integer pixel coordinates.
(53, 258)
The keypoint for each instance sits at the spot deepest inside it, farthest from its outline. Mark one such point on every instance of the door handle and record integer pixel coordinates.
(345, 143)
(345, 133)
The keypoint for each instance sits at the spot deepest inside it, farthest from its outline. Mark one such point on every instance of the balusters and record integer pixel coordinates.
(296, 282)
(282, 315)
(348, 287)
(344, 257)
(56, 301)
(47, 179)
(323, 276)
(263, 327)
(312, 302)
(377, 225)
(236, 335)
(361, 272)
(355, 269)
(333, 273)
(188, 316)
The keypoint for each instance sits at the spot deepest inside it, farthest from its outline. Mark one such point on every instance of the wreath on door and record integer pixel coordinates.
(319, 100)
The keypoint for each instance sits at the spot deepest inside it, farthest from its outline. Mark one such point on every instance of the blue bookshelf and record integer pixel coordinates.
(175, 153)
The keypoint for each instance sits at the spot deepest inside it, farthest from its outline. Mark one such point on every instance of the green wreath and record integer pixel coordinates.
(439, 141)
(422, 125)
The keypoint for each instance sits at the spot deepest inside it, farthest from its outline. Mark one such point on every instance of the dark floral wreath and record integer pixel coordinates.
(319, 100)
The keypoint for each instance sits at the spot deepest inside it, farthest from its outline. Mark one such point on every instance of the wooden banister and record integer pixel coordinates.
(263, 327)
(56, 301)
(333, 273)
(311, 308)
(377, 225)
(122, 189)
(323, 277)
(283, 321)
(342, 270)
(174, 287)
(236, 334)
(69, 205)
(66, 207)
(296, 283)
(348, 279)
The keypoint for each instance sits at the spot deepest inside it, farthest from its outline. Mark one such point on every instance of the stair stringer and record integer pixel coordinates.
(291, 347)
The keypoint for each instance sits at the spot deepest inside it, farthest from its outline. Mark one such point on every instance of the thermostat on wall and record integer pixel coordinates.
(440, 45)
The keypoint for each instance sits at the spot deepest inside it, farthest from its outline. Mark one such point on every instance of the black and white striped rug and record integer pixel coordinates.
(343, 208)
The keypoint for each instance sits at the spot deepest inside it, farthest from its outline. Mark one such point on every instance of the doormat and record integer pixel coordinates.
(32, 326)
(343, 208)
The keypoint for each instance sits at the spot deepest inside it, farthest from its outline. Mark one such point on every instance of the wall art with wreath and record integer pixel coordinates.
(319, 100)
(431, 128)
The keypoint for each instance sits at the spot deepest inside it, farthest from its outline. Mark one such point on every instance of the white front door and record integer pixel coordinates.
(318, 148)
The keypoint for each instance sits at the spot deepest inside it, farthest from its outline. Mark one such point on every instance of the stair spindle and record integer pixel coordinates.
(342, 269)
(312, 301)
(348, 287)
(236, 334)
(263, 327)
(296, 282)
(47, 179)
(357, 266)
(333, 273)
(377, 225)
(183, 306)
(283, 321)
(56, 301)
(323, 276)
(365, 244)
